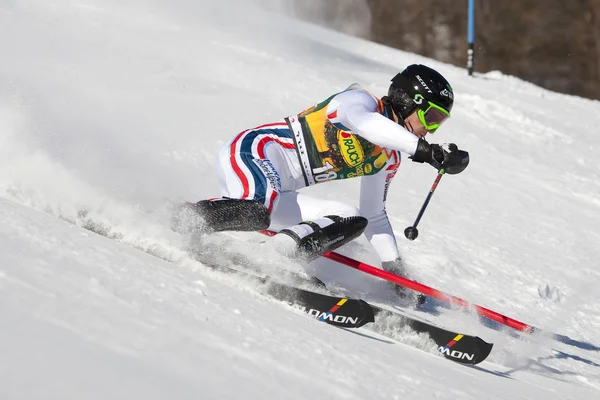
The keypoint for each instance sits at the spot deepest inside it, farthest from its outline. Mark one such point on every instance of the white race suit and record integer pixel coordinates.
(348, 135)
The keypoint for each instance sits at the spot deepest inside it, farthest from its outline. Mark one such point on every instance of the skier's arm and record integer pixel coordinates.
(373, 190)
(356, 111)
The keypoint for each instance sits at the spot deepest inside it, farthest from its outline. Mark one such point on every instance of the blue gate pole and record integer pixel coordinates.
(471, 34)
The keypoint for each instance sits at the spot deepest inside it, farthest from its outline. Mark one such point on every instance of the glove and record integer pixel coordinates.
(446, 156)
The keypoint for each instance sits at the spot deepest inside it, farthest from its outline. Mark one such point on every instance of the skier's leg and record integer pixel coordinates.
(295, 207)
(249, 179)
(248, 210)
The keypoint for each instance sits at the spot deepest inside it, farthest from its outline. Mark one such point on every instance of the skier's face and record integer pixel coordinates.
(414, 125)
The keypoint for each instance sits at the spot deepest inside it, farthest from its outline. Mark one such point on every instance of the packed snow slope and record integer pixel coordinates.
(111, 111)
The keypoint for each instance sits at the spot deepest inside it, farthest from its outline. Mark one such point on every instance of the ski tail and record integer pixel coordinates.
(458, 347)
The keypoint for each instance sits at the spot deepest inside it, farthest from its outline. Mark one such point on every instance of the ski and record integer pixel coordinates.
(455, 346)
(334, 310)
(355, 313)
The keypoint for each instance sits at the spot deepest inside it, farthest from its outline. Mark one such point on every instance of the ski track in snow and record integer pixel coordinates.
(110, 113)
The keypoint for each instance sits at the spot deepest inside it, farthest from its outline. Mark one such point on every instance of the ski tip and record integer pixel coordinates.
(351, 313)
(465, 349)
(369, 313)
(485, 349)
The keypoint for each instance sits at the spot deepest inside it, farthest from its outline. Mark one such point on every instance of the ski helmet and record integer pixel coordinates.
(418, 86)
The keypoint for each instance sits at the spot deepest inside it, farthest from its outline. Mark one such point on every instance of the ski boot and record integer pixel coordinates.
(309, 240)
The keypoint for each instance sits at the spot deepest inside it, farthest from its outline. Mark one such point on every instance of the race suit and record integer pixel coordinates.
(348, 135)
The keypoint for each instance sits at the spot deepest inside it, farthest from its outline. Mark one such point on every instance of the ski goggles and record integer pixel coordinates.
(432, 116)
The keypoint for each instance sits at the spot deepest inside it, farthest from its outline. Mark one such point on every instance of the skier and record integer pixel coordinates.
(350, 134)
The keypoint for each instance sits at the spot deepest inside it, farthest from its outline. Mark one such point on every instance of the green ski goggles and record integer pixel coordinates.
(433, 116)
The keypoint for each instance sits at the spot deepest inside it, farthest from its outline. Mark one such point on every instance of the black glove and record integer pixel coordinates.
(446, 156)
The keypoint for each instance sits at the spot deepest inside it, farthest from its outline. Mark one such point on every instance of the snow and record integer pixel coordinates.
(111, 111)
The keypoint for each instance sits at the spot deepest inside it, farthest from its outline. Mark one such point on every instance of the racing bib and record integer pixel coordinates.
(327, 152)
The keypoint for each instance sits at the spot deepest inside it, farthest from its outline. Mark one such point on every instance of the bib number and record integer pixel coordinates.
(321, 174)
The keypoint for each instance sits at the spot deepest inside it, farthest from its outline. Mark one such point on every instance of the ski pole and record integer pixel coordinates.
(412, 232)
(429, 291)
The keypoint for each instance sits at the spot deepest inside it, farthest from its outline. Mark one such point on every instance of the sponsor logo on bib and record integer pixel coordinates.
(351, 149)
